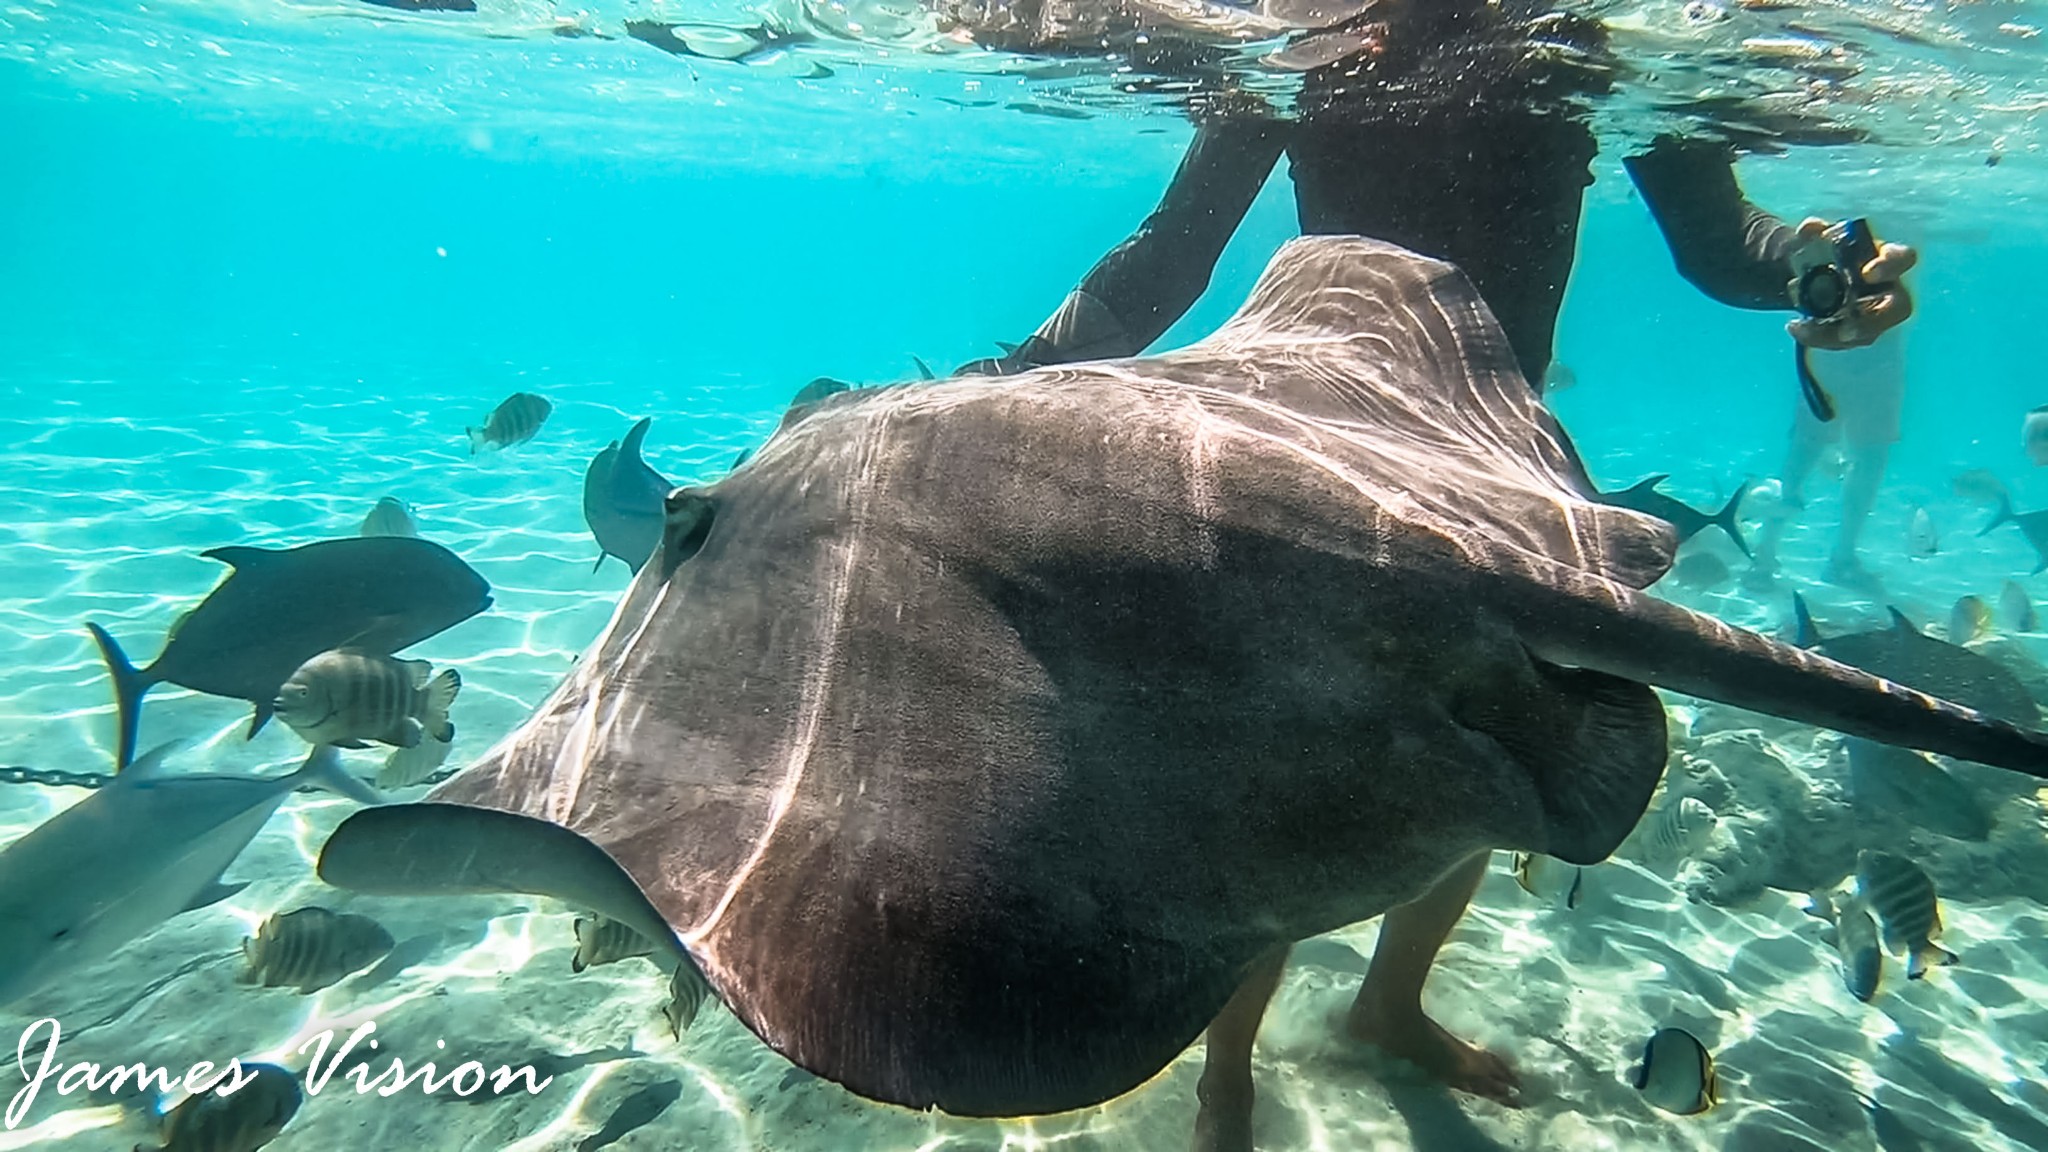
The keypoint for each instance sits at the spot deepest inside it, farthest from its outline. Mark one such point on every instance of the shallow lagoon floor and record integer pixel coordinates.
(106, 517)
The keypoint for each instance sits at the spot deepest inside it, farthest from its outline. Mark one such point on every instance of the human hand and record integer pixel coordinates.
(1868, 317)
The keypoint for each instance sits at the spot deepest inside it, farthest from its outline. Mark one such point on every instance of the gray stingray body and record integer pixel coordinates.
(978, 735)
(622, 500)
(280, 607)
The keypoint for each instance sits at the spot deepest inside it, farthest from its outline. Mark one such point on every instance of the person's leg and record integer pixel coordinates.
(1859, 495)
(1871, 390)
(1808, 441)
(1388, 1012)
(1224, 1123)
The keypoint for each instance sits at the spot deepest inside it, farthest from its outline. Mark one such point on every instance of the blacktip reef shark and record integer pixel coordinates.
(280, 607)
(979, 735)
(149, 845)
(1687, 520)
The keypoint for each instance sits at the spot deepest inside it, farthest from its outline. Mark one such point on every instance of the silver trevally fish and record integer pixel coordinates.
(132, 855)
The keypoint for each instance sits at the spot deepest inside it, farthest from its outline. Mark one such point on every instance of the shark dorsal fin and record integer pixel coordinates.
(1900, 622)
(1808, 634)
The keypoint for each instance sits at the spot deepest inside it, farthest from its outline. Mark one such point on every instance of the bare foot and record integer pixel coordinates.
(1412, 1036)
(1224, 1123)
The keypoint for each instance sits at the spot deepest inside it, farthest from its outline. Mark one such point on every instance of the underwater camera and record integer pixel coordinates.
(1827, 281)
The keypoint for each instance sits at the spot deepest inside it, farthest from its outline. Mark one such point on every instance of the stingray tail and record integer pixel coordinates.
(1725, 518)
(1572, 617)
(130, 683)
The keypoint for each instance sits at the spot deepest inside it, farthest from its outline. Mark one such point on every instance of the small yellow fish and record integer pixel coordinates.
(1904, 899)
(602, 941)
(1681, 828)
(1968, 620)
(345, 698)
(312, 948)
(515, 420)
(686, 994)
(1548, 878)
(244, 1121)
(1677, 1073)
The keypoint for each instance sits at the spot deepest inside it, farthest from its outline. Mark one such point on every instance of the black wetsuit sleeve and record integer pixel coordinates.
(1153, 277)
(1727, 247)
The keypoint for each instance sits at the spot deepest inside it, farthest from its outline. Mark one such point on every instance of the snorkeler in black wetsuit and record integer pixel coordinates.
(1447, 135)
(1450, 137)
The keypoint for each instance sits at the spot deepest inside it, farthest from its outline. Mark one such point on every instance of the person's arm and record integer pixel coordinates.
(1137, 291)
(1741, 255)
(1727, 247)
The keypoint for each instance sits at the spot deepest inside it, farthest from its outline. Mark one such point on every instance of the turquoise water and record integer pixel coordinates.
(248, 289)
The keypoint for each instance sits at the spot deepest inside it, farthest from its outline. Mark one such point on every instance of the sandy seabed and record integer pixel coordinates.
(104, 519)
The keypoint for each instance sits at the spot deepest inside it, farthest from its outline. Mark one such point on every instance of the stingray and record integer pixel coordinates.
(1905, 654)
(979, 735)
(280, 607)
(807, 397)
(622, 500)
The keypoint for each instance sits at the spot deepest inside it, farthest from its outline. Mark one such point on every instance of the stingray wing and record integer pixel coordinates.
(1394, 371)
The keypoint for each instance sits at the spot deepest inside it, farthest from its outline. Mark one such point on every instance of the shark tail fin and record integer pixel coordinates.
(1726, 521)
(2004, 515)
(1807, 635)
(129, 685)
(441, 692)
(323, 769)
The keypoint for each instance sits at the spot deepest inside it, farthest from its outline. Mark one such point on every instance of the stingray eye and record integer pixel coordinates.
(687, 516)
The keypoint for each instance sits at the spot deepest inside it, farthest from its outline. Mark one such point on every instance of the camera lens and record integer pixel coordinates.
(1823, 292)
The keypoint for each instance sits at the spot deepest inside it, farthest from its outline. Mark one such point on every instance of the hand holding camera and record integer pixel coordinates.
(1846, 285)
